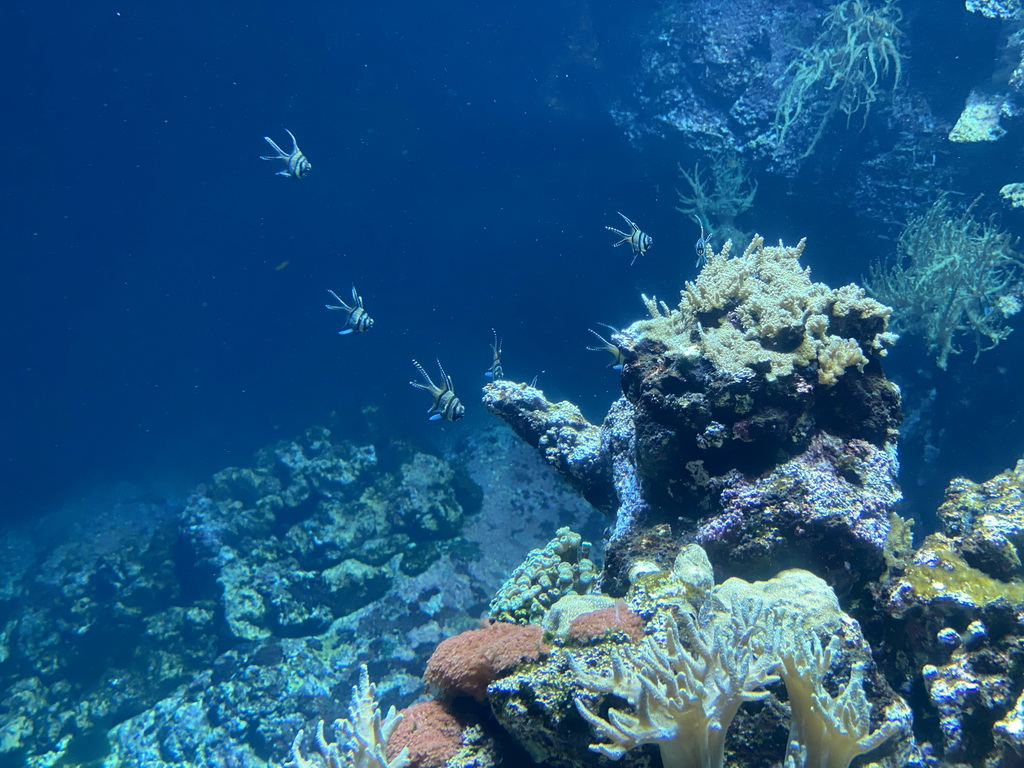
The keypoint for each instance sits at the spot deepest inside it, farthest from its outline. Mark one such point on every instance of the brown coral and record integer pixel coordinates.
(612, 622)
(430, 732)
(467, 663)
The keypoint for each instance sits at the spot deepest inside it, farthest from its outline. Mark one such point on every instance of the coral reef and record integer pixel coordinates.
(312, 533)
(953, 276)
(708, 656)
(209, 631)
(96, 626)
(956, 636)
(755, 415)
(364, 735)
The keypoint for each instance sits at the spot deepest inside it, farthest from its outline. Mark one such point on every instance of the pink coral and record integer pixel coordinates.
(467, 663)
(430, 732)
(613, 621)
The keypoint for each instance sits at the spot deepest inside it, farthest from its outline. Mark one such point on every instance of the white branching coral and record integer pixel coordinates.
(715, 202)
(684, 699)
(361, 738)
(829, 731)
(685, 683)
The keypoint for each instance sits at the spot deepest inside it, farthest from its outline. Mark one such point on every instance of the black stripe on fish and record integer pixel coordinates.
(446, 405)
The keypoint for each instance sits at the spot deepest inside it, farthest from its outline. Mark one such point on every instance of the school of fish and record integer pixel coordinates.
(446, 405)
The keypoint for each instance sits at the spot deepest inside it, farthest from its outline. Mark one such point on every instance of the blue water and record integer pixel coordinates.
(162, 299)
(163, 290)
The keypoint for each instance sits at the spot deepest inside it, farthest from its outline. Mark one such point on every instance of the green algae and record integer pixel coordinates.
(948, 575)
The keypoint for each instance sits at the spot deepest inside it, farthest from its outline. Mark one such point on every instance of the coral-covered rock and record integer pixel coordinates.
(746, 370)
(826, 509)
(956, 603)
(755, 416)
(988, 518)
(567, 440)
(467, 663)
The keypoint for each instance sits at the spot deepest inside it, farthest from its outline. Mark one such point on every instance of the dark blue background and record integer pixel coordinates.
(464, 166)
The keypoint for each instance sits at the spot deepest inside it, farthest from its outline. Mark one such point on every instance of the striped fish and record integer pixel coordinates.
(495, 372)
(639, 241)
(619, 358)
(357, 320)
(446, 404)
(298, 165)
(703, 245)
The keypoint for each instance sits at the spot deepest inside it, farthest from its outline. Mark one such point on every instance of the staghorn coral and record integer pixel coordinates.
(842, 70)
(953, 276)
(363, 735)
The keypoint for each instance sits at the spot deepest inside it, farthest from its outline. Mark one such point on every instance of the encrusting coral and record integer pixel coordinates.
(761, 312)
(953, 276)
(468, 662)
(429, 732)
(361, 737)
(549, 573)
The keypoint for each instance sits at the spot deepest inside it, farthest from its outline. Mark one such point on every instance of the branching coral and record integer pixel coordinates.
(828, 731)
(363, 735)
(716, 202)
(684, 700)
(953, 275)
(843, 69)
(685, 683)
